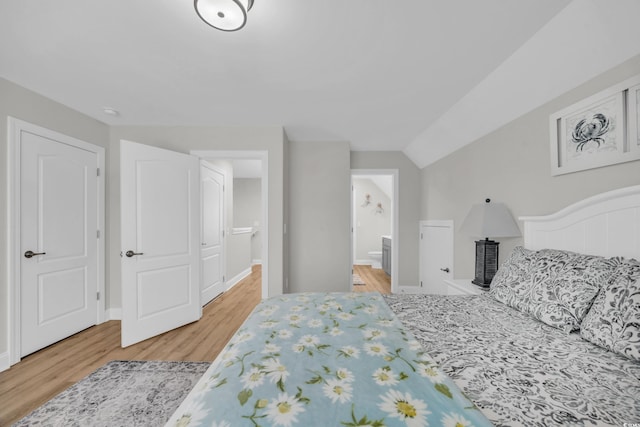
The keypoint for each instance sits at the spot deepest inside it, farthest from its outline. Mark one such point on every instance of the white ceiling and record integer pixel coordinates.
(380, 74)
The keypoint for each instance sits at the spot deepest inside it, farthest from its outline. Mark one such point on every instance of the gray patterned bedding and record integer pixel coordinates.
(518, 370)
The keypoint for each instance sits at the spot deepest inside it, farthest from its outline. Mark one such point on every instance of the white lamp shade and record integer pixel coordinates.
(225, 15)
(489, 220)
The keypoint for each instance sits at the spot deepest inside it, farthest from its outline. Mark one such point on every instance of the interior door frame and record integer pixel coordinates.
(15, 128)
(395, 221)
(263, 156)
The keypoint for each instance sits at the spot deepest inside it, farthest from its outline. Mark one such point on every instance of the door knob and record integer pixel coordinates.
(131, 253)
(31, 254)
(446, 270)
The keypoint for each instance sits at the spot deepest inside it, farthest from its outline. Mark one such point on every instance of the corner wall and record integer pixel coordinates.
(512, 165)
(319, 224)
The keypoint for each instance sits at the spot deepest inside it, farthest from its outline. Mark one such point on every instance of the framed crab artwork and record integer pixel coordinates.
(598, 131)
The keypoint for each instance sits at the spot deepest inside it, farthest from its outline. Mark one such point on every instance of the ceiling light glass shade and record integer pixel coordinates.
(225, 15)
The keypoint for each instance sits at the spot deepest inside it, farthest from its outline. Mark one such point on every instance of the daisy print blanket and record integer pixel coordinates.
(325, 359)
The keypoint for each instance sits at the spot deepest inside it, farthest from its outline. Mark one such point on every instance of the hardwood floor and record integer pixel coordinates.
(42, 375)
(375, 279)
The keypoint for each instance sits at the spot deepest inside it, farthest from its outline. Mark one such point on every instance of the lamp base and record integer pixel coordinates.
(480, 284)
(486, 262)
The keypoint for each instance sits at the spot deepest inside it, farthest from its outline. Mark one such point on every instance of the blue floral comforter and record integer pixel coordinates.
(325, 359)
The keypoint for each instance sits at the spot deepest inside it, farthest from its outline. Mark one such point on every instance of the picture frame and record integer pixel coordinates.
(601, 130)
(633, 103)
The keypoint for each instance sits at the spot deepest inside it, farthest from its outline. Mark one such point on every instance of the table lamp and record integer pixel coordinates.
(488, 220)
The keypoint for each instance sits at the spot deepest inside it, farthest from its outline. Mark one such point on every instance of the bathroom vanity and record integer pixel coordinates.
(386, 254)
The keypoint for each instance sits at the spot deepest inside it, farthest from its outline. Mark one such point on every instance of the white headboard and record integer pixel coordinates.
(607, 225)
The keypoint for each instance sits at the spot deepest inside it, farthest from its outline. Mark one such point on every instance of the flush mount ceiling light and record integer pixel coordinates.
(225, 15)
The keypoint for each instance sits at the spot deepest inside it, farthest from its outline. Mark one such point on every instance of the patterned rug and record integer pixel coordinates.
(121, 393)
(357, 280)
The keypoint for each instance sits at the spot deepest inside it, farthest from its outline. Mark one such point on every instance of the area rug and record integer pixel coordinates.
(121, 393)
(357, 280)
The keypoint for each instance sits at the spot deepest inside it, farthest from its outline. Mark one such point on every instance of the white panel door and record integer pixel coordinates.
(58, 237)
(212, 232)
(160, 220)
(436, 255)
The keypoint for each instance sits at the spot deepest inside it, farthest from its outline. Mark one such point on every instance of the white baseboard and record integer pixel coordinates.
(237, 278)
(5, 361)
(256, 262)
(114, 314)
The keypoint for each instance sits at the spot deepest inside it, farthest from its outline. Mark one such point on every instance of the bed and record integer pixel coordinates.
(556, 341)
(324, 359)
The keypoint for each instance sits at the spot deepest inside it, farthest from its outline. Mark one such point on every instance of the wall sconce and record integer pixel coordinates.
(367, 200)
(486, 220)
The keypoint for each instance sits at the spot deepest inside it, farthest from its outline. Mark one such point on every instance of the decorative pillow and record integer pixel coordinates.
(613, 322)
(512, 282)
(564, 285)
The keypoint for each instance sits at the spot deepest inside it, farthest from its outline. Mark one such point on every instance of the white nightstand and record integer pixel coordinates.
(463, 287)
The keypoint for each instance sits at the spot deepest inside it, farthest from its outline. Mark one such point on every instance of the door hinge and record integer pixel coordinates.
(420, 283)
(421, 236)
(223, 279)
(98, 172)
(98, 296)
(98, 234)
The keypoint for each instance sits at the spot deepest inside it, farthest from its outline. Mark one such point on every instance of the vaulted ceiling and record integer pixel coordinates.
(383, 75)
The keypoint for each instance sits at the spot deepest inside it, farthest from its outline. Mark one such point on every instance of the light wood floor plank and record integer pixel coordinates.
(42, 375)
(375, 279)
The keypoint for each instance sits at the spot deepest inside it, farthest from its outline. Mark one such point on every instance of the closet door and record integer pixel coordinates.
(436, 256)
(58, 235)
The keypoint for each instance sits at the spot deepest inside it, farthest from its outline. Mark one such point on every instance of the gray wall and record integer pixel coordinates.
(20, 103)
(512, 165)
(247, 209)
(409, 209)
(370, 226)
(319, 209)
(184, 139)
(238, 255)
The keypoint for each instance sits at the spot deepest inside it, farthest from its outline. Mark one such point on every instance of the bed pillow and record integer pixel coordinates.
(512, 282)
(564, 285)
(613, 322)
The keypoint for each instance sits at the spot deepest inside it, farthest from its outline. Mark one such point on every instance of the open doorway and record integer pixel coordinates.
(244, 243)
(245, 229)
(374, 230)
